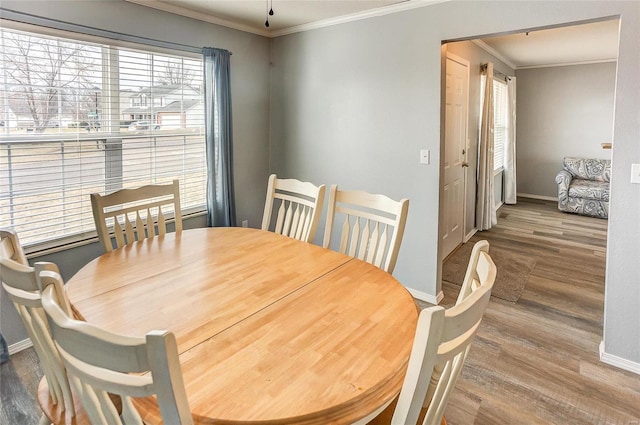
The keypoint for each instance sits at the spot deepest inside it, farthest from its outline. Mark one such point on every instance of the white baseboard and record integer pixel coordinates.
(19, 346)
(616, 361)
(423, 296)
(469, 235)
(544, 198)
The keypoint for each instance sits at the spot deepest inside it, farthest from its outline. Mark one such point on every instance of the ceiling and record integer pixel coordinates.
(288, 15)
(584, 43)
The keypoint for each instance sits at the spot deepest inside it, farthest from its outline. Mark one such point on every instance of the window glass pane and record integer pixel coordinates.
(48, 84)
(78, 118)
(499, 122)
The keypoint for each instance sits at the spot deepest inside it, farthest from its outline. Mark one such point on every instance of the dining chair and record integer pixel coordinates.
(20, 284)
(472, 279)
(10, 246)
(299, 206)
(100, 363)
(135, 214)
(441, 345)
(373, 226)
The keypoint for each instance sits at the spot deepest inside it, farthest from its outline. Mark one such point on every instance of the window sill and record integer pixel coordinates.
(61, 244)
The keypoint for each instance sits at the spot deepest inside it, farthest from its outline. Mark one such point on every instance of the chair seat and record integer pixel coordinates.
(589, 189)
(57, 416)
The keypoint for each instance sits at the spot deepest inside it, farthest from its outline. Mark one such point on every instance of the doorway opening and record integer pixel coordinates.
(564, 108)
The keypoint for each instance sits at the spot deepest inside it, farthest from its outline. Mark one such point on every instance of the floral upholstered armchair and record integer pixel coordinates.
(583, 186)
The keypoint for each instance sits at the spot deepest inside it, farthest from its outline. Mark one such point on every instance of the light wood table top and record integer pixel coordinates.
(270, 330)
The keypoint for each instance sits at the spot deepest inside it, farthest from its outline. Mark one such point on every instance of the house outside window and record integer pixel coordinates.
(82, 116)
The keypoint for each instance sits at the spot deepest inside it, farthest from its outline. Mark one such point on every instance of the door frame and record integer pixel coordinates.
(443, 63)
(466, 234)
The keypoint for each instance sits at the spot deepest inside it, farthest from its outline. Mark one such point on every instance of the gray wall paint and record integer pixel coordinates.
(562, 111)
(346, 109)
(476, 57)
(354, 103)
(250, 91)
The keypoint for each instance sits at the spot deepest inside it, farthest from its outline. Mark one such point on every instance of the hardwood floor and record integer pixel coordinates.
(536, 361)
(19, 378)
(533, 362)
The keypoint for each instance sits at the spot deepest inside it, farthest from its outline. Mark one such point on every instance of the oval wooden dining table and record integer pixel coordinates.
(270, 330)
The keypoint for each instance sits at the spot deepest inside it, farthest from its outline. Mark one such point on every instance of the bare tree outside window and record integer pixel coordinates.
(173, 73)
(176, 72)
(80, 117)
(48, 79)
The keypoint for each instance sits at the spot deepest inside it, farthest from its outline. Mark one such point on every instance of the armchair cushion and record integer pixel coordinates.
(589, 189)
(588, 169)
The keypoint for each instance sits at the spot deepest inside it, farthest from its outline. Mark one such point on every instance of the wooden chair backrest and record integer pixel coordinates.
(299, 209)
(476, 271)
(373, 226)
(10, 246)
(100, 363)
(20, 284)
(135, 214)
(441, 345)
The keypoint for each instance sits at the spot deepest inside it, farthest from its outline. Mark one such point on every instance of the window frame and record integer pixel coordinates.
(66, 241)
(500, 82)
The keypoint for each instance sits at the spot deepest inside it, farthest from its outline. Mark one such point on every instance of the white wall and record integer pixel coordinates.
(562, 111)
(249, 87)
(354, 103)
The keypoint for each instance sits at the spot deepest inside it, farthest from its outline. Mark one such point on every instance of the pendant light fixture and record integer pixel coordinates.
(269, 13)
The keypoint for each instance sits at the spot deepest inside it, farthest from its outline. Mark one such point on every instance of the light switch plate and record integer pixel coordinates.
(425, 156)
(635, 173)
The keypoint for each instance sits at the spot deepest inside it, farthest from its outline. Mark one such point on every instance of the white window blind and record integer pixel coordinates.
(500, 122)
(79, 117)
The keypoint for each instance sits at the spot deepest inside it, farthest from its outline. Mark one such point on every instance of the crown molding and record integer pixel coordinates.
(554, 65)
(386, 10)
(484, 46)
(177, 10)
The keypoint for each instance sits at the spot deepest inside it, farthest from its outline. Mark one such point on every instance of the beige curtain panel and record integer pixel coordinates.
(485, 205)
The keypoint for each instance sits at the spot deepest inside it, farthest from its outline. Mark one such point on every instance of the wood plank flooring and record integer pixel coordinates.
(537, 361)
(19, 378)
(533, 362)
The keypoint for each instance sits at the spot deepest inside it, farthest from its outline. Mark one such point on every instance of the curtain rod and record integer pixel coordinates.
(500, 74)
(27, 18)
(495, 73)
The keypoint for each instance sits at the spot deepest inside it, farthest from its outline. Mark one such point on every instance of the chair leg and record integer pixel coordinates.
(44, 420)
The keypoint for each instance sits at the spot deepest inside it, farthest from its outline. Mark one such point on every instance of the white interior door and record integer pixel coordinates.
(454, 165)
